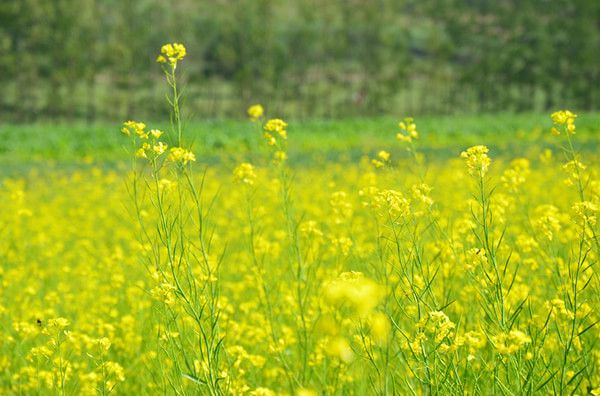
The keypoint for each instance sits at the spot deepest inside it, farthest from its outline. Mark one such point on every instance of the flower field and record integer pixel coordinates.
(464, 267)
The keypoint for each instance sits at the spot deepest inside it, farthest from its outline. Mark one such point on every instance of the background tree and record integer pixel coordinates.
(92, 59)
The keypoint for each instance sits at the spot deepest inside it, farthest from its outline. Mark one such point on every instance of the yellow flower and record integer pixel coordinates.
(280, 156)
(509, 343)
(56, 325)
(179, 154)
(59, 323)
(440, 325)
(377, 164)
(380, 327)
(565, 118)
(278, 126)
(306, 392)
(586, 212)
(165, 184)
(135, 127)
(103, 343)
(408, 130)
(255, 112)
(142, 151)
(383, 158)
(339, 347)
(156, 133)
(384, 155)
(271, 141)
(354, 289)
(262, 392)
(159, 148)
(391, 204)
(477, 160)
(172, 53)
(114, 370)
(244, 173)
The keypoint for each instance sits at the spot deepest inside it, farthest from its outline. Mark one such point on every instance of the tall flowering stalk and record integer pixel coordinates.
(245, 175)
(578, 274)
(185, 272)
(478, 163)
(495, 278)
(275, 135)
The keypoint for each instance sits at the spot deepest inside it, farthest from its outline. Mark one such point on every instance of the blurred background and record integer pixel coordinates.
(95, 59)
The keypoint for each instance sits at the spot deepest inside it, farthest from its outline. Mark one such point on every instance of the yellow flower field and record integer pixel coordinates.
(387, 276)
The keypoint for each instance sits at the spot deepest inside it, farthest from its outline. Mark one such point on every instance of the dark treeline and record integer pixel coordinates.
(94, 59)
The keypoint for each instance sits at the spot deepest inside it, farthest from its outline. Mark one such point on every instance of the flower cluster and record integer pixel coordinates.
(566, 119)
(171, 54)
(181, 155)
(477, 160)
(244, 173)
(275, 134)
(275, 127)
(137, 128)
(255, 112)
(383, 158)
(361, 294)
(511, 342)
(408, 130)
(148, 145)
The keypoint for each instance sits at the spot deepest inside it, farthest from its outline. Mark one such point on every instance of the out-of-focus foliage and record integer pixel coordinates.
(92, 58)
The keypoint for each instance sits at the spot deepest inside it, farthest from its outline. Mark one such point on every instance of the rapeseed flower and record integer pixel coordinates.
(244, 173)
(172, 53)
(179, 154)
(255, 112)
(477, 160)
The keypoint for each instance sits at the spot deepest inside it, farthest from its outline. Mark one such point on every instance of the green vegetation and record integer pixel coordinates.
(224, 140)
(304, 58)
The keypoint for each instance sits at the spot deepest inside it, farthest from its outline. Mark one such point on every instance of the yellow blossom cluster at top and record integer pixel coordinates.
(172, 53)
(478, 162)
(352, 288)
(383, 158)
(255, 112)
(244, 173)
(564, 118)
(275, 127)
(275, 135)
(408, 130)
(511, 342)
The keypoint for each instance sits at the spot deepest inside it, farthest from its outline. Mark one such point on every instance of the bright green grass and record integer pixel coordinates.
(309, 140)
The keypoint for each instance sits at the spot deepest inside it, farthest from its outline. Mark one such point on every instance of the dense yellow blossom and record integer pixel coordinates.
(255, 112)
(478, 162)
(179, 154)
(509, 343)
(172, 53)
(408, 130)
(244, 173)
(301, 277)
(135, 127)
(359, 271)
(277, 126)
